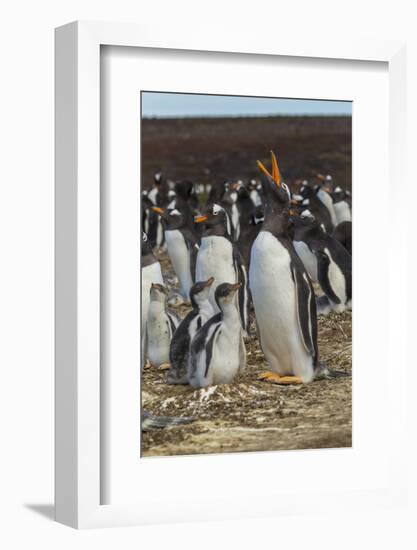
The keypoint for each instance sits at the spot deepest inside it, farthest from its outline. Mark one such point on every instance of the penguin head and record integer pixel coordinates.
(158, 293)
(276, 192)
(326, 182)
(225, 294)
(200, 291)
(215, 215)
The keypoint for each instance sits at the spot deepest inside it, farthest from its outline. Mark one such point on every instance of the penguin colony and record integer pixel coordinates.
(255, 246)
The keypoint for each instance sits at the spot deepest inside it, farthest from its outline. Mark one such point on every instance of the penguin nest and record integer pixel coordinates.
(251, 415)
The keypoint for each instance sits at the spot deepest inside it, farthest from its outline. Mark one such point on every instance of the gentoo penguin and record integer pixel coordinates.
(255, 194)
(341, 206)
(150, 273)
(187, 203)
(324, 193)
(326, 261)
(182, 247)
(282, 293)
(219, 257)
(180, 344)
(311, 202)
(217, 351)
(160, 327)
(158, 196)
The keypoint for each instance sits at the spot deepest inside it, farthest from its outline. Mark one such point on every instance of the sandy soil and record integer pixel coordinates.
(252, 415)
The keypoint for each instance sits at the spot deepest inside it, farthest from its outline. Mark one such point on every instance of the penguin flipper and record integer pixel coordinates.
(323, 263)
(306, 311)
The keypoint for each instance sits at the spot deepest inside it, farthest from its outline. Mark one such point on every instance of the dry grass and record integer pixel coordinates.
(251, 415)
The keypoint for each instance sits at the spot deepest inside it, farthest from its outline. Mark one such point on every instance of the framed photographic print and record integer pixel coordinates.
(212, 330)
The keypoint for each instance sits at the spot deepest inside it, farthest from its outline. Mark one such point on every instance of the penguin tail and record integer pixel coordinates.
(151, 422)
(323, 372)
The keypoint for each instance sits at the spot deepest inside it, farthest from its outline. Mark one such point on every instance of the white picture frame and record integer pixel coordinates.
(78, 410)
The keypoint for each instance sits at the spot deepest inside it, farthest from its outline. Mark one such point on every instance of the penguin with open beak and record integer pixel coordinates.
(282, 292)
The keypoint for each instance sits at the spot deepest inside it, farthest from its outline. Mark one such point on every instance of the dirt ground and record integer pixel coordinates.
(252, 415)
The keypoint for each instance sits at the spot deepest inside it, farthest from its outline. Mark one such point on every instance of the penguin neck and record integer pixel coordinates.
(217, 230)
(205, 308)
(276, 219)
(156, 308)
(230, 312)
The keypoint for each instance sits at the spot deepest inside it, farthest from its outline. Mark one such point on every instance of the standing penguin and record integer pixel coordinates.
(217, 352)
(150, 273)
(316, 206)
(182, 247)
(341, 206)
(324, 193)
(160, 327)
(326, 261)
(180, 345)
(219, 257)
(282, 292)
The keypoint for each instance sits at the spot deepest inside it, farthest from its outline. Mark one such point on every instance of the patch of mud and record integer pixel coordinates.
(252, 415)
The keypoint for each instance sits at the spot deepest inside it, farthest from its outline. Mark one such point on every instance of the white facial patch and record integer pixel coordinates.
(297, 197)
(306, 202)
(171, 205)
(307, 214)
(175, 212)
(217, 209)
(338, 189)
(144, 237)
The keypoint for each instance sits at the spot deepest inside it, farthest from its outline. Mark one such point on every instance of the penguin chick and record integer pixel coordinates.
(151, 273)
(217, 351)
(160, 327)
(180, 345)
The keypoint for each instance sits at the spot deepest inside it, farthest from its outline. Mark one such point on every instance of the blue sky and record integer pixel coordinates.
(156, 104)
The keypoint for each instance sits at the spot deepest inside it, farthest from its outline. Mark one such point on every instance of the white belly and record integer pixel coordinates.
(215, 259)
(274, 299)
(180, 258)
(307, 257)
(159, 337)
(150, 274)
(225, 361)
(342, 212)
(338, 283)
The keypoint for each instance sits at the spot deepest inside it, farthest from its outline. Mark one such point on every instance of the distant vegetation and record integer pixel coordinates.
(213, 149)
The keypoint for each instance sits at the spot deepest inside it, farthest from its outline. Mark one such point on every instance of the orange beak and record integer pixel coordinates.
(157, 209)
(275, 176)
(200, 219)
